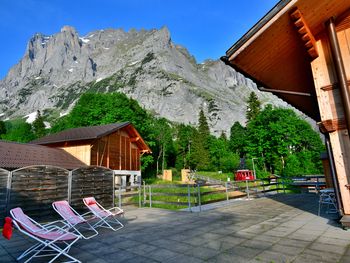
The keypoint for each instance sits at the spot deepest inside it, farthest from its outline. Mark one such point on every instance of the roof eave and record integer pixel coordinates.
(259, 26)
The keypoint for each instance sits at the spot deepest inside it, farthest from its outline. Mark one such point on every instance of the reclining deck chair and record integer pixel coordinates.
(74, 219)
(52, 240)
(106, 218)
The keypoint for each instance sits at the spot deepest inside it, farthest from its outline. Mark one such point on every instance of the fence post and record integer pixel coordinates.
(70, 175)
(263, 182)
(120, 196)
(140, 195)
(113, 190)
(8, 193)
(284, 188)
(199, 197)
(247, 188)
(144, 193)
(150, 196)
(277, 184)
(226, 184)
(189, 197)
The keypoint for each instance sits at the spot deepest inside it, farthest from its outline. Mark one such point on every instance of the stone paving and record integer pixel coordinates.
(280, 228)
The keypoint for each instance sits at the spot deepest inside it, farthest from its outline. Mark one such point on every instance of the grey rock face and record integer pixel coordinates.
(145, 65)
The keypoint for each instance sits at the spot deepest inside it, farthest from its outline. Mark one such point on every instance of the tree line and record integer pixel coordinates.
(277, 140)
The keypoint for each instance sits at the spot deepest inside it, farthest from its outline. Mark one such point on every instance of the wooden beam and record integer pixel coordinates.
(135, 139)
(305, 33)
(332, 125)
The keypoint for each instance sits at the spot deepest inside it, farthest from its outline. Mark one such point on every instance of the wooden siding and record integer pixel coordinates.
(81, 152)
(331, 108)
(92, 181)
(4, 175)
(34, 189)
(116, 151)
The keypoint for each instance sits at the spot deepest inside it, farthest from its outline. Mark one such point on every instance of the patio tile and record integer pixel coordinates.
(119, 256)
(202, 252)
(257, 244)
(286, 250)
(227, 258)
(162, 254)
(184, 258)
(244, 252)
(293, 242)
(332, 248)
(323, 256)
(271, 256)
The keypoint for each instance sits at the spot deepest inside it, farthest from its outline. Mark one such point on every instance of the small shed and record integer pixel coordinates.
(117, 146)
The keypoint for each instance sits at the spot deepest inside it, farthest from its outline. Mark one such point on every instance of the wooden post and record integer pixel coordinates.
(331, 110)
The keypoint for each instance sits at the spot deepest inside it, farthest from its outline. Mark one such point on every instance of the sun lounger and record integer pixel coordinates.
(76, 221)
(106, 217)
(52, 240)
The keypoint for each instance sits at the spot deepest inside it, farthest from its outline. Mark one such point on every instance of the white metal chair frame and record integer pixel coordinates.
(327, 197)
(48, 236)
(106, 217)
(74, 219)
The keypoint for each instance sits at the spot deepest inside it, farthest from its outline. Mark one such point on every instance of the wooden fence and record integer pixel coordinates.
(34, 188)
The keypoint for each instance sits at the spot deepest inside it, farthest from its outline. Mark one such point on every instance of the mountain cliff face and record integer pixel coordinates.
(145, 65)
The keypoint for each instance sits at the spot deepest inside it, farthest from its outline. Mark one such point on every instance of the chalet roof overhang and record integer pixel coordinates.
(275, 55)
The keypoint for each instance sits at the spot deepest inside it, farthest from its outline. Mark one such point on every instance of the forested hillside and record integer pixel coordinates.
(278, 140)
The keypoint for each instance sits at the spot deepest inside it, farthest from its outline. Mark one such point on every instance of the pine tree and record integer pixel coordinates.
(253, 107)
(203, 126)
(237, 139)
(38, 125)
(2, 128)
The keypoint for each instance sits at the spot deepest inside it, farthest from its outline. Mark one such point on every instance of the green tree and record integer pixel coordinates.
(2, 128)
(253, 107)
(39, 126)
(19, 131)
(199, 157)
(203, 126)
(199, 154)
(285, 141)
(221, 158)
(184, 135)
(237, 139)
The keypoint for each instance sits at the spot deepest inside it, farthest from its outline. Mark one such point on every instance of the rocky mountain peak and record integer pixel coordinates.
(144, 64)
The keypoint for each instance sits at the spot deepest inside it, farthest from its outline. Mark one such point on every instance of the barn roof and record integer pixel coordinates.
(273, 54)
(16, 155)
(92, 132)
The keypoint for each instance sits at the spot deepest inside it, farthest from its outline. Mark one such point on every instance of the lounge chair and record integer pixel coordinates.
(106, 217)
(74, 219)
(52, 240)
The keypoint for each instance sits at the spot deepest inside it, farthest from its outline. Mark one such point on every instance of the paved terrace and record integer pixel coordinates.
(281, 228)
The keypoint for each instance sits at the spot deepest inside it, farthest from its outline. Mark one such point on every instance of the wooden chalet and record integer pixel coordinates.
(300, 51)
(117, 146)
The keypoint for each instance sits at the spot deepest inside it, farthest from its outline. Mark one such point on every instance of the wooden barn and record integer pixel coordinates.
(300, 51)
(117, 146)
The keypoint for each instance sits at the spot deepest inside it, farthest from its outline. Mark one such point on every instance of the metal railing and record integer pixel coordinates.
(182, 196)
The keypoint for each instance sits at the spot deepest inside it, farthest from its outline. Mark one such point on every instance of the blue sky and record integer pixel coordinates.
(207, 28)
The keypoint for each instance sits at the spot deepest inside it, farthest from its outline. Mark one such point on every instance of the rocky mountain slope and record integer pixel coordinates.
(145, 65)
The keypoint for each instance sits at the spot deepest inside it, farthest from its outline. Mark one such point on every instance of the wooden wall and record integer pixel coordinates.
(4, 175)
(116, 151)
(34, 189)
(92, 181)
(331, 108)
(81, 152)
